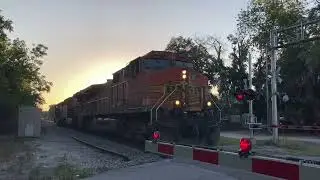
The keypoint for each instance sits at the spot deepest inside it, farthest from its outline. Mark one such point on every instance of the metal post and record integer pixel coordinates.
(273, 47)
(267, 90)
(274, 86)
(250, 102)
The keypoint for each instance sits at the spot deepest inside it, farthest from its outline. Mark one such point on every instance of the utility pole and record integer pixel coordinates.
(274, 45)
(275, 123)
(250, 101)
(267, 90)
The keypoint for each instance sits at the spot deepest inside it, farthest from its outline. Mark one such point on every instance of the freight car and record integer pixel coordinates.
(158, 91)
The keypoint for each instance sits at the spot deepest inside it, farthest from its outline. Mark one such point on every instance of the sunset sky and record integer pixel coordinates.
(88, 40)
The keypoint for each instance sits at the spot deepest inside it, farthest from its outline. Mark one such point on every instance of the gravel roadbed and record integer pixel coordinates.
(56, 155)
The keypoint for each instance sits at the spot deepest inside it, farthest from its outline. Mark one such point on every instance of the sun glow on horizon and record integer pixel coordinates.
(97, 73)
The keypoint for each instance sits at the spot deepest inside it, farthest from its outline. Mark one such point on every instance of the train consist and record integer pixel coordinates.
(158, 91)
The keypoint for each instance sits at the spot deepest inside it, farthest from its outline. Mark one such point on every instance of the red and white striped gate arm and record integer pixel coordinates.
(257, 164)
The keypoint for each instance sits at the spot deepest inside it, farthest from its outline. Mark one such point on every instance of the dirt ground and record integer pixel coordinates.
(56, 155)
(16, 158)
(52, 156)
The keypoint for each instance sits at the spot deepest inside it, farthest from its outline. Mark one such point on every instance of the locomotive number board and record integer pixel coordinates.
(180, 87)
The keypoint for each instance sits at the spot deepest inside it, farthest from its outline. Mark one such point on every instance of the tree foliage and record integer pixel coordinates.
(21, 81)
(207, 56)
(300, 64)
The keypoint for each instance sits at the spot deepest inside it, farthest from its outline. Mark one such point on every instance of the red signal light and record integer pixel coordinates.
(245, 145)
(240, 97)
(156, 135)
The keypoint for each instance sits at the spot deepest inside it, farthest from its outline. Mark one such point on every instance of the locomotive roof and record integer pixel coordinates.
(67, 100)
(160, 55)
(165, 55)
(91, 89)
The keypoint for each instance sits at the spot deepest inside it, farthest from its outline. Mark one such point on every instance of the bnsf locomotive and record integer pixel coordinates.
(158, 91)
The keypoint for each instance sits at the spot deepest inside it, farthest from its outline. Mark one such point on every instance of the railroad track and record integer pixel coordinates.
(103, 149)
(133, 143)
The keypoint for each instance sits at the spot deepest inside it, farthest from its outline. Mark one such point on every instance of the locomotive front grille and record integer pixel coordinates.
(189, 97)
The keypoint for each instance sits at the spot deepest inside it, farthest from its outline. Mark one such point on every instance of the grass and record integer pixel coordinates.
(296, 147)
(225, 141)
(9, 147)
(62, 171)
(291, 147)
(67, 171)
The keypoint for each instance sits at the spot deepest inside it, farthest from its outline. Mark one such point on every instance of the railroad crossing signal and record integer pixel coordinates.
(245, 147)
(155, 136)
(248, 94)
(239, 95)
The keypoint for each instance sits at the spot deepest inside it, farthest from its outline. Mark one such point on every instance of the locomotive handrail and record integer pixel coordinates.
(98, 100)
(164, 101)
(119, 83)
(164, 93)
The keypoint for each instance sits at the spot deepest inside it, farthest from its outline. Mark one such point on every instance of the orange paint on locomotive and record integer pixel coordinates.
(141, 86)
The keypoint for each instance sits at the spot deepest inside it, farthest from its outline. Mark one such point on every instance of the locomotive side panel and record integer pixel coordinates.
(104, 100)
(127, 100)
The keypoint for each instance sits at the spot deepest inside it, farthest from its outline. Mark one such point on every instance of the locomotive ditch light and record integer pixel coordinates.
(209, 104)
(184, 76)
(245, 147)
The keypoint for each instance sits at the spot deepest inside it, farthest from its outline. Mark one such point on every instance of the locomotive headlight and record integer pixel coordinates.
(209, 104)
(177, 103)
(184, 74)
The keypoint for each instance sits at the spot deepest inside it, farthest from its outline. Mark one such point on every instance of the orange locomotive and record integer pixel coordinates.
(158, 90)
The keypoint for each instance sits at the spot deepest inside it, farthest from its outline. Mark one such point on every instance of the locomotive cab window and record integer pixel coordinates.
(155, 64)
(183, 64)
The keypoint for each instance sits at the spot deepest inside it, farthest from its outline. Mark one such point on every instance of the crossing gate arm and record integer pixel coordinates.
(274, 167)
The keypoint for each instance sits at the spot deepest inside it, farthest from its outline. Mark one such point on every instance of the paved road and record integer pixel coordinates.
(178, 169)
(240, 134)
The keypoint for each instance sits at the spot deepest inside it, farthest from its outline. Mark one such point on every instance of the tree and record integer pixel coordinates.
(237, 72)
(198, 50)
(21, 82)
(299, 64)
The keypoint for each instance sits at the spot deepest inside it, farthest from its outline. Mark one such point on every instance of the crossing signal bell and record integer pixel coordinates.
(245, 147)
